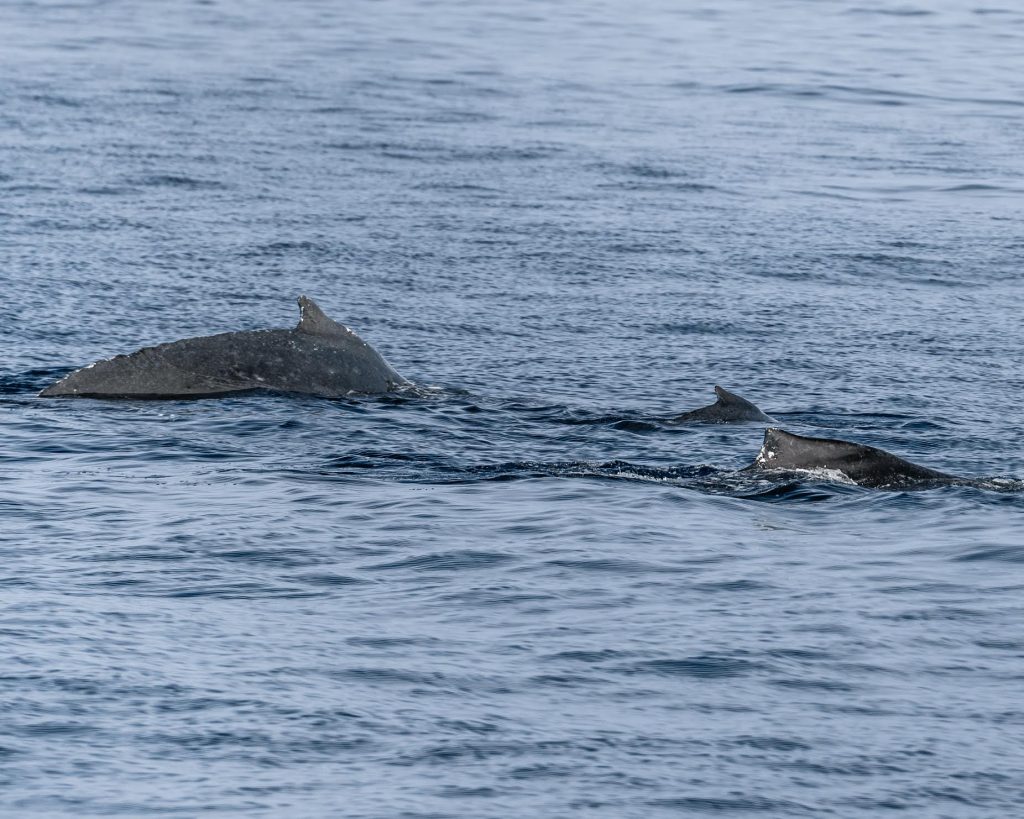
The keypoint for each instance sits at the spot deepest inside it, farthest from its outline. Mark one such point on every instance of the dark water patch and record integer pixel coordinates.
(108, 190)
(117, 582)
(862, 95)
(588, 657)
(978, 187)
(802, 683)
(952, 613)
(52, 729)
(924, 588)
(999, 554)
(770, 744)
(565, 681)
(536, 602)
(30, 187)
(1002, 645)
(531, 772)
(178, 701)
(56, 100)
(800, 654)
(792, 492)
(446, 562)
(166, 555)
(460, 117)
(635, 426)
(733, 586)
(276, 556)
(716, 329)
(455, 187)
(376, 459)
(391, 642)
(760, 88)
(453, 792)
(857, 768)
(661, 187)
(243, 590)
(263, 80)
(874, 805)
(397, 677)
(377, 145)
(645, 171)
(903, 11)
(697, 667)
(503, 153)
(618, 567)
(30, 381)
(732, 805)
(329, 580)
(478, 751)
(179, 181)
(281, 249)
(824, 94)
(893, 260)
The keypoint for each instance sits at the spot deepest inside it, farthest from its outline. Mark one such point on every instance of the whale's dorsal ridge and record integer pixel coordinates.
(316, 322)
(785, 447)
(317, 357)
(862, 464)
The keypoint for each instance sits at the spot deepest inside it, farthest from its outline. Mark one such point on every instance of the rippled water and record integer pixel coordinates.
(523, 594)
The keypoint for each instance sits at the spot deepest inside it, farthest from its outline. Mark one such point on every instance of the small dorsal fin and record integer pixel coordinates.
(315, 321)
(726, 397)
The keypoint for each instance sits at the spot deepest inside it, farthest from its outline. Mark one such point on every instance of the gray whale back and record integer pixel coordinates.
(729, 408)
(864, 465)
(318, 357)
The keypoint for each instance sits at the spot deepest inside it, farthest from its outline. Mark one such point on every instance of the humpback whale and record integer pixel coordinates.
(864, 465)
(729, 408)
(318, 357)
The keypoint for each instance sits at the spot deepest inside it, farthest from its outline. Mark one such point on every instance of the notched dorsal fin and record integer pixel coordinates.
(315, 321)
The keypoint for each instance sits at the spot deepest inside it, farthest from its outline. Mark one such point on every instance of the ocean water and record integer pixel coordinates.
(521, 593)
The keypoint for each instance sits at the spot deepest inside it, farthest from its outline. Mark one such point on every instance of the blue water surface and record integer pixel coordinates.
(519, 593)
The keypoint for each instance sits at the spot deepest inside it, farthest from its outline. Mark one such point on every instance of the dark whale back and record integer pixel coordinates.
(318, 357)
(729, 408)
(865, 465)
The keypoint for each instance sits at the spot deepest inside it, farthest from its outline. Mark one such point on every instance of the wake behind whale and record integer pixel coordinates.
(318, 357)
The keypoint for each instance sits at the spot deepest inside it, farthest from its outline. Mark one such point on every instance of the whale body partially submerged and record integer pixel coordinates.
(318, 357)
(728, 409)
(864, 465)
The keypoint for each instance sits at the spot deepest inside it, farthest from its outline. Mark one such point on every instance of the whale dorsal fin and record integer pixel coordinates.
(788, 449)
(730, 399)
(315, 321)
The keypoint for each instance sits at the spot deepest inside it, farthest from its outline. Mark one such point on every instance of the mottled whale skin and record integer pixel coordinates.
(318, 357)
(864, 465)
(728, 409)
